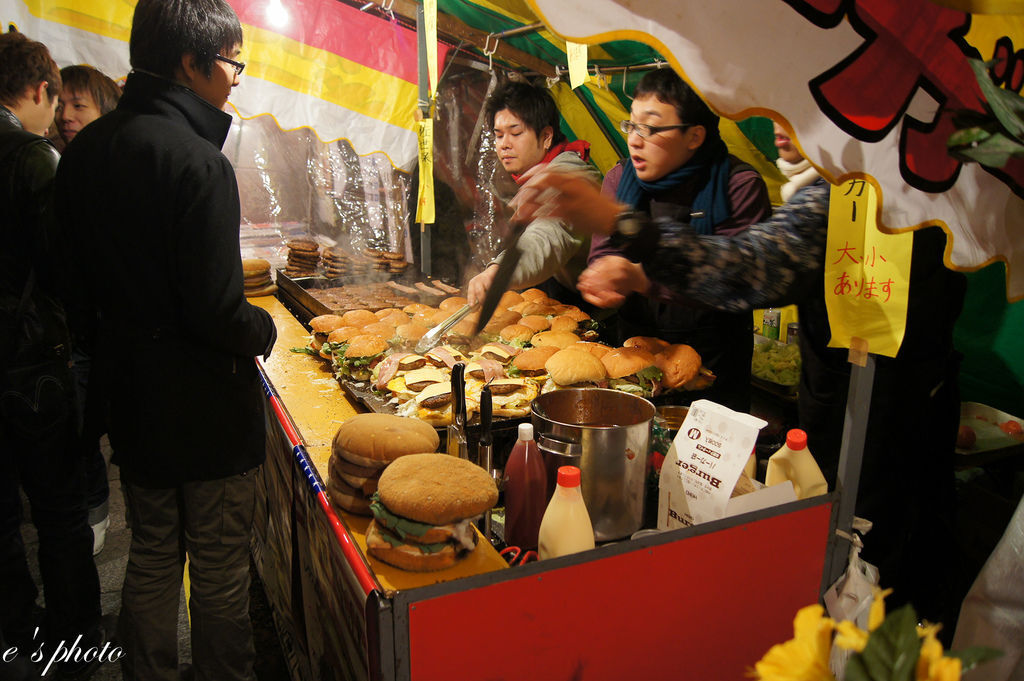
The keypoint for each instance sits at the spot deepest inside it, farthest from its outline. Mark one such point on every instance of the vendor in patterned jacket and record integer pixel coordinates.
(906, 482)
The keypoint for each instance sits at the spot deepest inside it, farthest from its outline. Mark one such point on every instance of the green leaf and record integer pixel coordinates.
(993, 151)
(306, 351)
(1007, 106)
(892, 650)
(967, 137)
(975, 655)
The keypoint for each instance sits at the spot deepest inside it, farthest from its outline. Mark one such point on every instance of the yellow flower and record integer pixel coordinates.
(877, 612)
(931, 664)
(805, 656)
(851, 637)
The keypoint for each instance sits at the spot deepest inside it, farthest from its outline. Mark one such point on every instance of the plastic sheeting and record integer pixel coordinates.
(993, 612)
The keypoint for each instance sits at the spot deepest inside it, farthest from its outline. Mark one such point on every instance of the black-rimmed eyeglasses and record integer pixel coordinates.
(239, 66)
(646, 131)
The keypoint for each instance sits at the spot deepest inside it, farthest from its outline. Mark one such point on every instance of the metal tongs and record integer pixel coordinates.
(431, 338)
(502, 278)
(457, 445)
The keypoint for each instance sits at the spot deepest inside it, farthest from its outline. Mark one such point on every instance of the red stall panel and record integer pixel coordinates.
(705, 607)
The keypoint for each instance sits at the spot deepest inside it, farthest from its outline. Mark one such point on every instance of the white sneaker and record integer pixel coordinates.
(99, 535)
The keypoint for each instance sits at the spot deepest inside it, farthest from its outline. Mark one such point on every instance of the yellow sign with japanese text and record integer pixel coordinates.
(867, 272)
(425, 199)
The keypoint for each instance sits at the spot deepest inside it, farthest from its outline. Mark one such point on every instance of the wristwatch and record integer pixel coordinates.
(630, 223)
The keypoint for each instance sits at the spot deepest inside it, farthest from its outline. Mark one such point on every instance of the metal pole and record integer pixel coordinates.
(423, 77)
(851, 455)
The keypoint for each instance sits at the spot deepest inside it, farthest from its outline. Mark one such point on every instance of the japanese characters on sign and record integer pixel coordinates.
(867, 272)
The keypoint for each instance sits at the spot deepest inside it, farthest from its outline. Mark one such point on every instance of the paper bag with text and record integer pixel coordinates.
(703, 465)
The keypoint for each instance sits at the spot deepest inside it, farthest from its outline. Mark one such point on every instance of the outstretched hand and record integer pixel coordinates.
(570, 195)
(610, 279)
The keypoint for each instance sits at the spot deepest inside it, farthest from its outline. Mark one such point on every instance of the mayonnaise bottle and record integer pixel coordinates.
(565, 527)
(793, 461)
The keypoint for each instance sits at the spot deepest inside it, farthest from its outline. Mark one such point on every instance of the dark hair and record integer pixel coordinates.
(669, 88)
(82, 78)
(163, 31)
(534, 106)
(25, 63)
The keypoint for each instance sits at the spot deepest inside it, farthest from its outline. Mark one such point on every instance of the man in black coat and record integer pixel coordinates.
(38, 418)
(152, 206)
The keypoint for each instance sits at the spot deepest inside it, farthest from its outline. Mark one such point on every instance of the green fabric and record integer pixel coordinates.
(761, 132)
(989, 334)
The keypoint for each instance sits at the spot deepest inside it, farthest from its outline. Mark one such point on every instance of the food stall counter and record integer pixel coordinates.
(317, 406)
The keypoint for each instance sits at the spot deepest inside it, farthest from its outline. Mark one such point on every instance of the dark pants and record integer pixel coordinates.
(97, 488)
(39, 452)
(211, 521)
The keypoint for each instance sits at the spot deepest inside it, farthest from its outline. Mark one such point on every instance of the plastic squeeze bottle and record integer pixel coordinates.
(793, 461)
(526, 483)
(566, 526)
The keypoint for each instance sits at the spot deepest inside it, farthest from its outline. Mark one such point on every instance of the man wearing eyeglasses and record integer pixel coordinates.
(679, 168)
(151, 206)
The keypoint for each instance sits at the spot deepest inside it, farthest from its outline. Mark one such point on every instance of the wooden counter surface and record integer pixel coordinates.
(317, 405)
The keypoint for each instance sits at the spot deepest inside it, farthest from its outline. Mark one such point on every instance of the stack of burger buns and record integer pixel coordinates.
(424, 510)
(303, 257)
(363, 446)
(256, 272)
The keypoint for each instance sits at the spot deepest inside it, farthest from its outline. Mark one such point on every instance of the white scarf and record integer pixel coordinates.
(800, 174)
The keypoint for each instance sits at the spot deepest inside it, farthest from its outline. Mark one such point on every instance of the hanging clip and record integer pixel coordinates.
(387, 6)
(489, 51)
(625, 72)
(600, 79)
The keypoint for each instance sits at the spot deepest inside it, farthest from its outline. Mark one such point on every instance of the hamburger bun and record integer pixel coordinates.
(571, 366)
(532, 294)
(383, 329)
(359, 318)
(395, 317)
(649, 343)
(516, 333)
(416, 308)
(563, 323)
(375, 440)
(626, 361)
(536, 322)
(343, 334)
(679, 364)
(410, 331)
(406, 556)
(436, 488)
(326, 323)
(346, 497)
(530, 362)
(361, 478)
(598, 350)
(560, 339)
(574, 312)
(508, 299)
(252, 267)
(452, 303)
(365, 345)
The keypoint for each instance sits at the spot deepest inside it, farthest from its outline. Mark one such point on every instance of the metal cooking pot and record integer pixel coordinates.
(606, 434)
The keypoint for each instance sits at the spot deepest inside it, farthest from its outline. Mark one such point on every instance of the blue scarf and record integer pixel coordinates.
(711, 162)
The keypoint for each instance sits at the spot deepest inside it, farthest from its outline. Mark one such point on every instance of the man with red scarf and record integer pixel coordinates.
(526, 134)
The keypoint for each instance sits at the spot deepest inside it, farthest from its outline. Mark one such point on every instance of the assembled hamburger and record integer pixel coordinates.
(424, 511)
(363, 446)
(363, 353)
(632, 370)
(574, 368)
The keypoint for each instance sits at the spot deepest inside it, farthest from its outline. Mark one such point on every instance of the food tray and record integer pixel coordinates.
(985, 422)
(769, 380)
(306, 296)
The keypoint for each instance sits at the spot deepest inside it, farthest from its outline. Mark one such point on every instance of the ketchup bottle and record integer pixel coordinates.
(525, 491)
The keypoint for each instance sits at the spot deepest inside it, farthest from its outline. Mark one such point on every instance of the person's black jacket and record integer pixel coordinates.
(32, 324)
(151, 206)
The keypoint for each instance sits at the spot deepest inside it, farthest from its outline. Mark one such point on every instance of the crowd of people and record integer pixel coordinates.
(107, 328)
